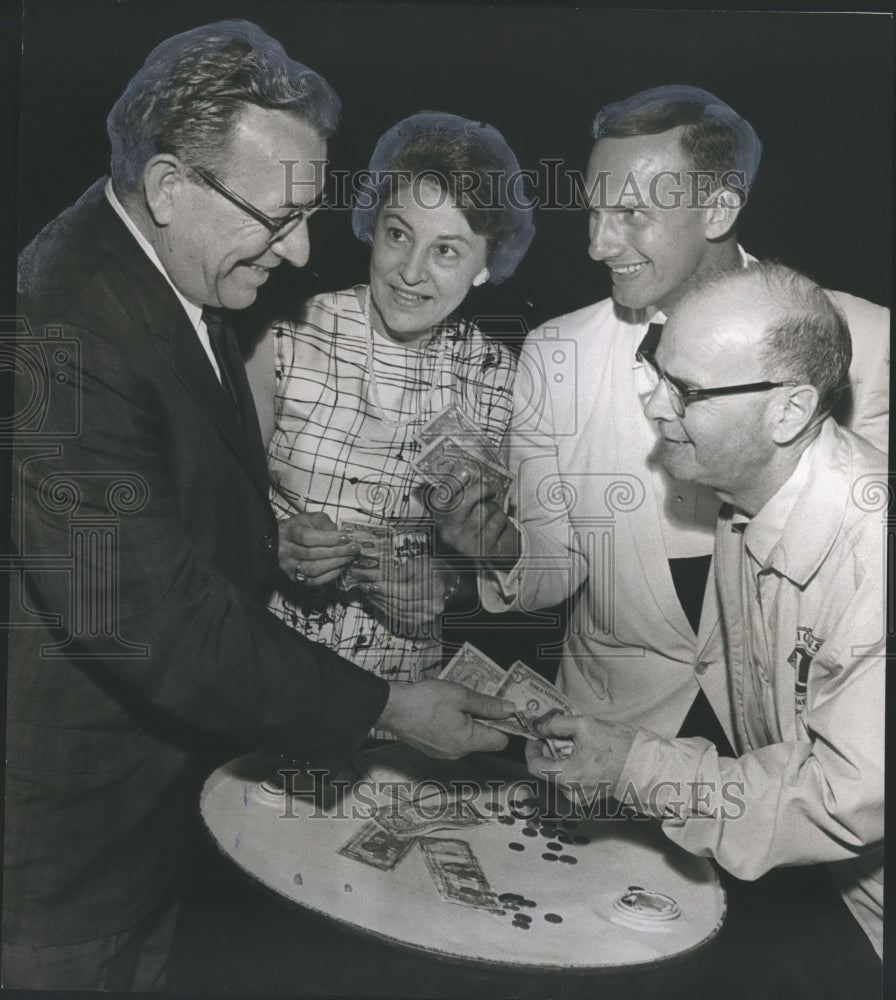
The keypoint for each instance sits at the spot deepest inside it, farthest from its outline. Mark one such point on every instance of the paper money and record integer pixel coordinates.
(386, 546)
(457, 873)
(529, 691)
(372, 845)
(515, 724)
(454, 423)
(374, 540)
(534, 696)
(445, 460)
(409, 819)
(474, 670)
(377, 544)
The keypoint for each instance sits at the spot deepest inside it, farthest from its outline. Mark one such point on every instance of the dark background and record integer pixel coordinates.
(817, 88)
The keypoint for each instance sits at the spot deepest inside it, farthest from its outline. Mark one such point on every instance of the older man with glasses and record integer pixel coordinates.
(144, 528)
(795, 667)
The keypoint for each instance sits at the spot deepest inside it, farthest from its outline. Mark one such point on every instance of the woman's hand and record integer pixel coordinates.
(313, 550)
(473, 523)
(411, 597)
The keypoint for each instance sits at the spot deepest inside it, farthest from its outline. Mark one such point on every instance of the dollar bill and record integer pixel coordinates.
(517, 724)
(374, 540)
(386, 546)
(410, 541)
(474, 670)
(408, 819)
(457, 872)
(372, 845)
(443, 462)
(531, 693)
(534, 696)
(376, 544)
(520, 684)
(454, 423)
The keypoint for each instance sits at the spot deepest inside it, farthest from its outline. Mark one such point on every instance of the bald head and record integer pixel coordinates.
(797, 332)
(748, 364)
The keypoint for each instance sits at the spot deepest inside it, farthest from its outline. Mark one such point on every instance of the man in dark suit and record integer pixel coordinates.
(142, 525)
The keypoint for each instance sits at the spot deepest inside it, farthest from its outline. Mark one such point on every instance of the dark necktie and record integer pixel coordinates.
(651, 339)
(226, 354)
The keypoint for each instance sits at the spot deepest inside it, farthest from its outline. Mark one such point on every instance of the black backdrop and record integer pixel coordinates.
(817, 87)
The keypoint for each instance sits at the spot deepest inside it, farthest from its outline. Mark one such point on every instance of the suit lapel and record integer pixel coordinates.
(192, 366)
(174, 335)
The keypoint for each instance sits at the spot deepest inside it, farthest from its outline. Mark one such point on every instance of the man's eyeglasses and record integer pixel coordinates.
(280, 228)
(680, 396)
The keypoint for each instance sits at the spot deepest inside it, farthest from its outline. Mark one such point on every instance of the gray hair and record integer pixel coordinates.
(192, 89)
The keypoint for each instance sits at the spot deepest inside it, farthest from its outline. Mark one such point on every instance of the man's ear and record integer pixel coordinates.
(722, 213)
(481, 278)
(163, 179)
(793, 412)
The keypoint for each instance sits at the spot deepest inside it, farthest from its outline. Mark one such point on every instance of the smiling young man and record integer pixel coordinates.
(594, 513)
(744, 379)
(144, 524)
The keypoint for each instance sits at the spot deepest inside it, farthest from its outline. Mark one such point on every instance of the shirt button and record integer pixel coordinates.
(679, 499)
(267, 542)
(701, 667)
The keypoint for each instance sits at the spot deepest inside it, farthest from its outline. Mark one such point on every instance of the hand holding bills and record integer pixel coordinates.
(449, 464)
(384, 546)
(529, 691)
(456, 450)
(469, 488)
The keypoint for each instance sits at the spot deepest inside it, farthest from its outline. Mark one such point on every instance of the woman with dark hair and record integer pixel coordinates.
(359, 372)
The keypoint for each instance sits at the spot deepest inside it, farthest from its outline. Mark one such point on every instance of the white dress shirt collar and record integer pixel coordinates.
(193, 311)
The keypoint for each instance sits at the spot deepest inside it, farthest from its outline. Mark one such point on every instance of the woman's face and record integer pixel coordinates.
(425, 258)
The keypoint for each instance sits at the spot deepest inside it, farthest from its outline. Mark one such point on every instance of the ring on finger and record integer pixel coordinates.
(300, 576)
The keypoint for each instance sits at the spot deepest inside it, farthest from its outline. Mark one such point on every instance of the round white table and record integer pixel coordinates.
(568, 893)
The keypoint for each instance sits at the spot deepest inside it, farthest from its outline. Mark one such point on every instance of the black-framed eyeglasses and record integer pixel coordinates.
(680, 396)
(280, 228)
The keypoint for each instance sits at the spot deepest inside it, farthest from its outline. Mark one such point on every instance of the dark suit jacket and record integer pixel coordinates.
(142, 521)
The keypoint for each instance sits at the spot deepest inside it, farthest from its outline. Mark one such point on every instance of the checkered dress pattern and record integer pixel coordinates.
(332, 452)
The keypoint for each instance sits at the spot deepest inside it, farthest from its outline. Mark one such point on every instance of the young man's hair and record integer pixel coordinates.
(715, 138)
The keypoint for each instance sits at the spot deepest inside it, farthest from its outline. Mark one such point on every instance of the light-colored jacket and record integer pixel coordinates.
(794, 669)
(595, 508)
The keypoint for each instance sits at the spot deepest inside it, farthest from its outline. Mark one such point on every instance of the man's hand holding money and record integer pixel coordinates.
(598, 757)
(439, 718)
